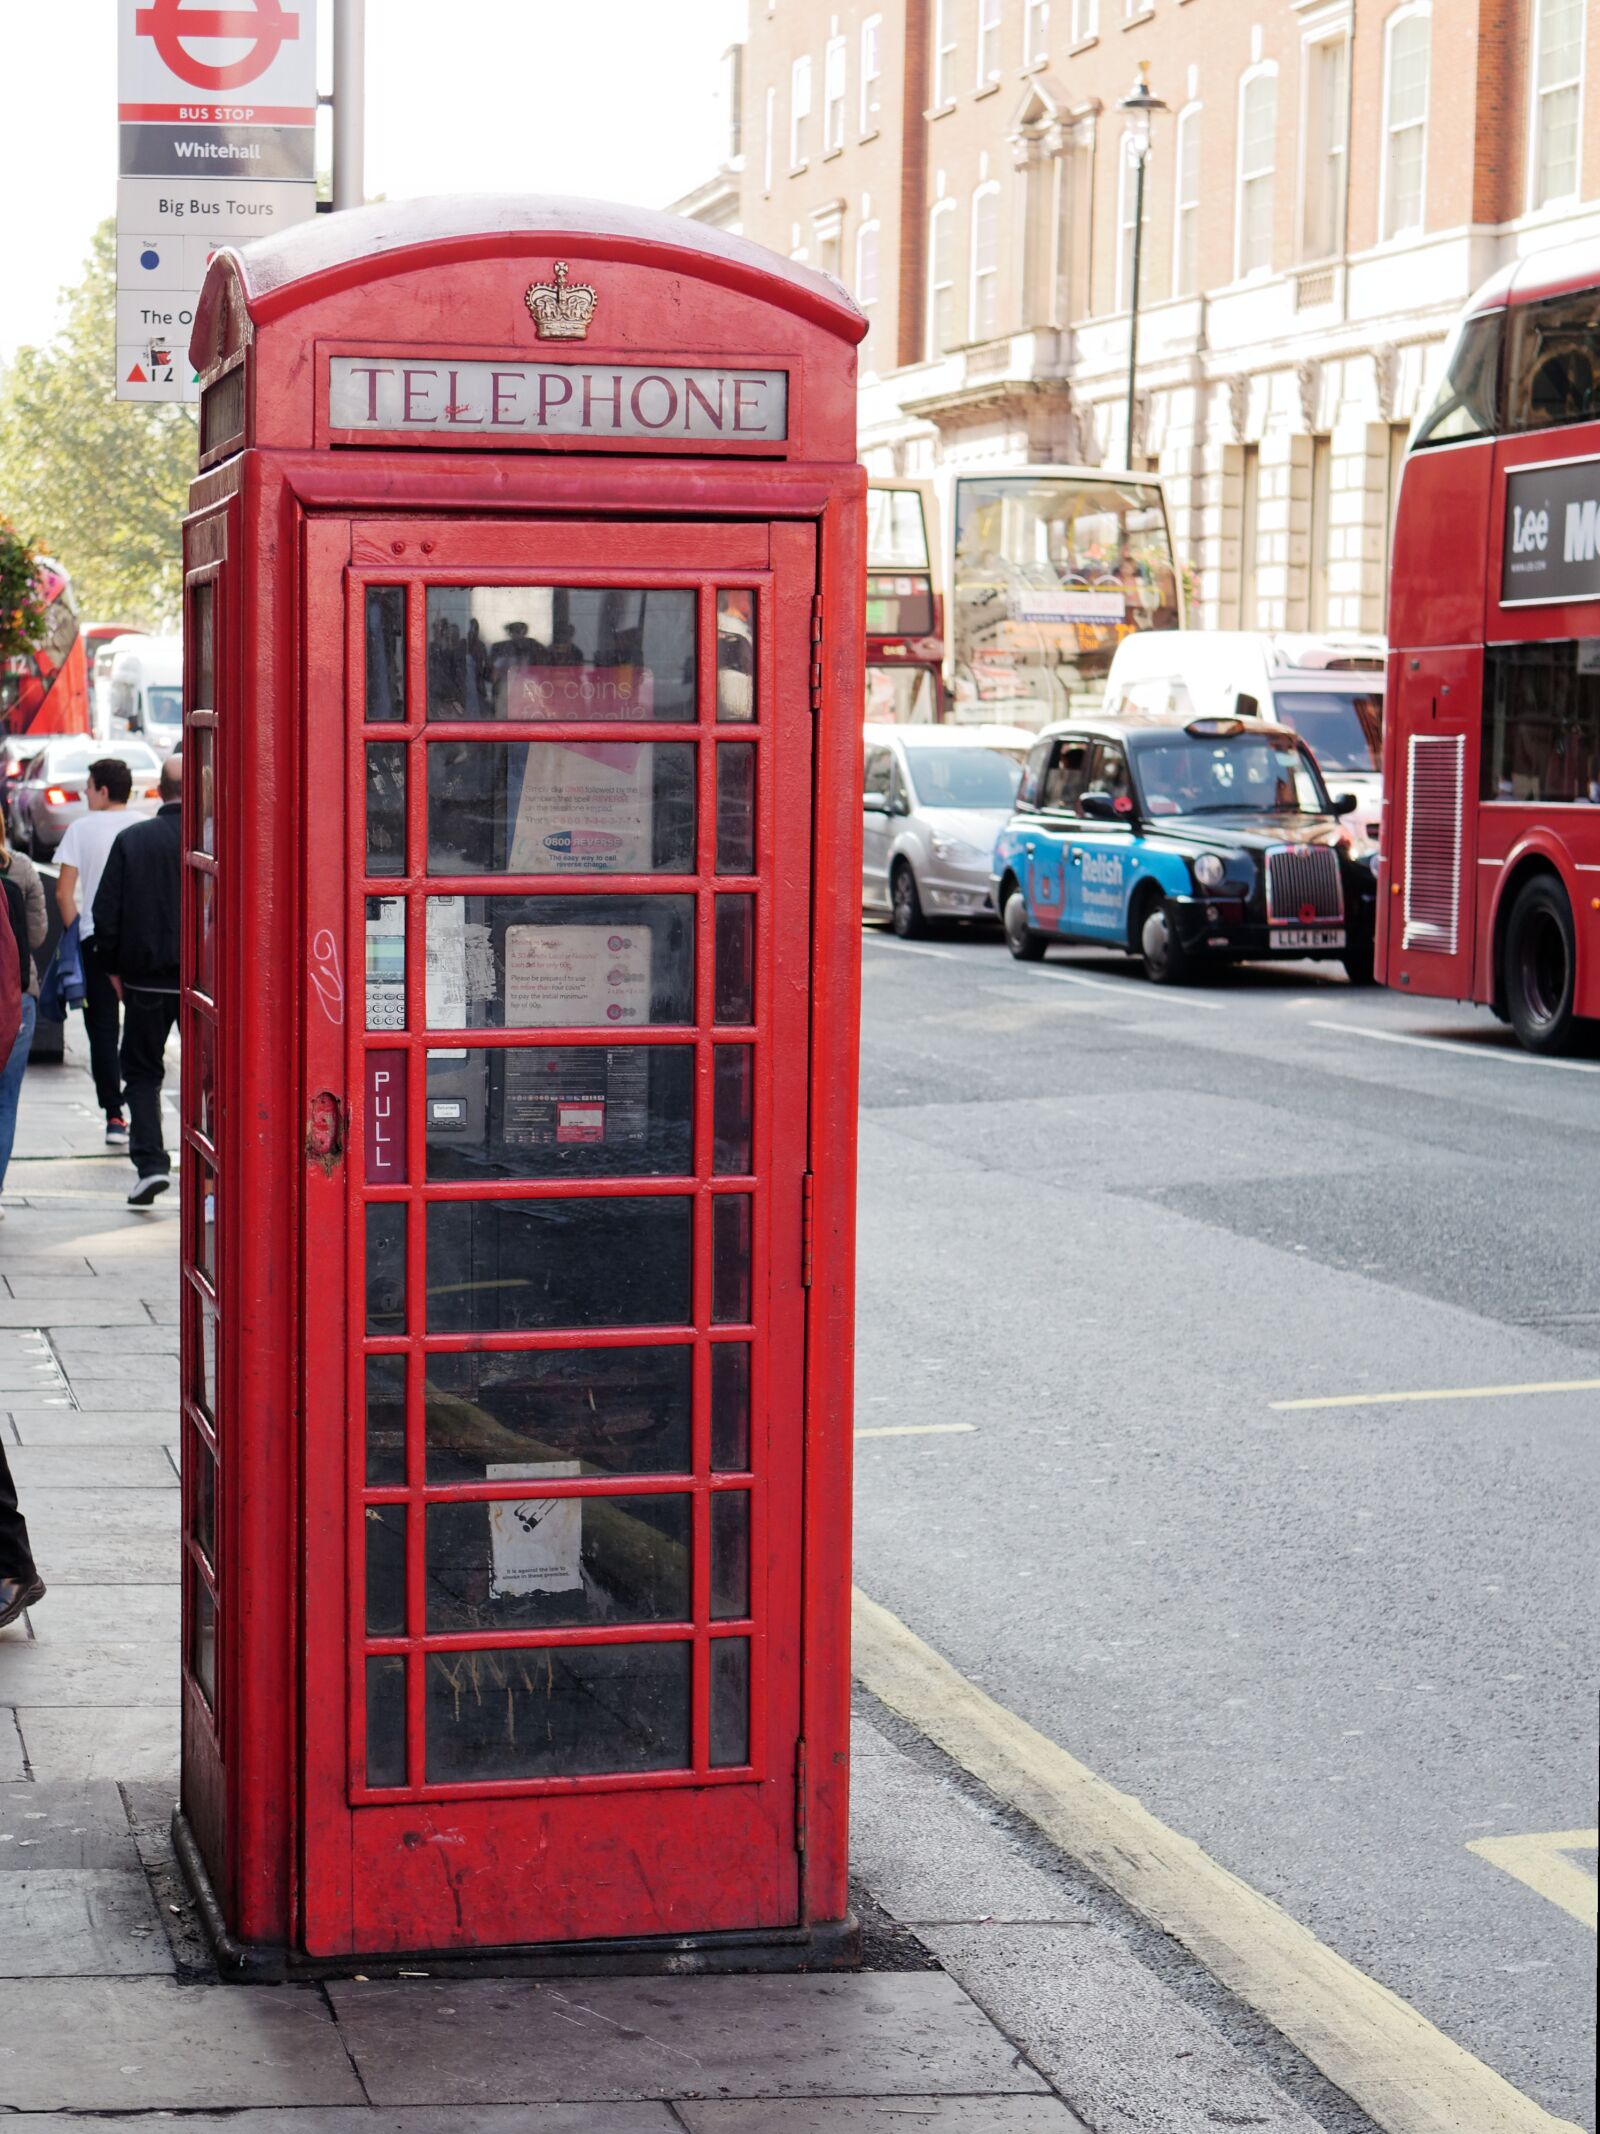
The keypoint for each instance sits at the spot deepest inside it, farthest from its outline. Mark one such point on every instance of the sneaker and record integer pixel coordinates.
(17, 1594)
(116, 1130)
(148, 1188)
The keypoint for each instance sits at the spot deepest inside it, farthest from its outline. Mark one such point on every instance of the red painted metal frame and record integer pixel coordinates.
(283, 525)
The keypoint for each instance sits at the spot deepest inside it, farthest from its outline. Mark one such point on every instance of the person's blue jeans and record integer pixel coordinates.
(11, 1081)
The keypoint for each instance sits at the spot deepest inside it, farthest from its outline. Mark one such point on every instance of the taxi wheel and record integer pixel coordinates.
(906, 917)
(1026, 945)
(1165, 960)
(1541, 967)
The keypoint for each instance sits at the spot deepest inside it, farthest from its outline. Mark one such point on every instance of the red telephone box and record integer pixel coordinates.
(523, 598)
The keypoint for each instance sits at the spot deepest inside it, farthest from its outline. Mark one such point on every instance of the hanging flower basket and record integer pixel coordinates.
(22, 617)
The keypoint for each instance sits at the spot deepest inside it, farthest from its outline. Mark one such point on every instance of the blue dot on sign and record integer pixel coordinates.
(149, 257)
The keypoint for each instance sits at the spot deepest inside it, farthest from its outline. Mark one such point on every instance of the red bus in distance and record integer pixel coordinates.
(905, 607)
(46, 691)
(1490, 874)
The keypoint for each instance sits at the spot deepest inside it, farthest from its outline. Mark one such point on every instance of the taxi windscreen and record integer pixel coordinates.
(1241, 774)
(964, 777)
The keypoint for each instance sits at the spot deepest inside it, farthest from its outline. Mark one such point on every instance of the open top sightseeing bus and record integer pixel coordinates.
(1491, 851)
(46, 691)
(1050, 568)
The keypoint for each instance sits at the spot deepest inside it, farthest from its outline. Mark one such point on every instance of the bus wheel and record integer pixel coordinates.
(906, 917)
(1026, 945)
(1541, 966)
(1165, 960)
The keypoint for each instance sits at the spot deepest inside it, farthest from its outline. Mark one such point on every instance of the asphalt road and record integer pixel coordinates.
(1108, 1226)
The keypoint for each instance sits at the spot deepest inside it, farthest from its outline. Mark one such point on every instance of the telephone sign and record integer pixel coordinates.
(517, 1357)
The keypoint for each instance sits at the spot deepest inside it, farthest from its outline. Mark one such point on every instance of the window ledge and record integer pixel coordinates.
(1137, 22)
(798, 170)
(863, 138)
(988, 89)
(1037, 65)
(1084, 44)
(940, 111)
(828, 154)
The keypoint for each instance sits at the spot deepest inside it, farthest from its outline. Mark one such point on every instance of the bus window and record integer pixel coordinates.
(902, 696)
(897, 538)
(1465, 403)
(1554, 361)
(1541, 722)
(1050, 572)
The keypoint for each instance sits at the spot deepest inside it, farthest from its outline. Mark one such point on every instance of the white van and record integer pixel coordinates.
(1329, 688)
(147, 691)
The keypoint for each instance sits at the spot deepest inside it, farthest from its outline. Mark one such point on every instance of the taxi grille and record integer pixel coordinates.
(1304, 886)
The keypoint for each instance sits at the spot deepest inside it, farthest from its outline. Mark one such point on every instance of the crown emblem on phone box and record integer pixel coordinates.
(561, 309)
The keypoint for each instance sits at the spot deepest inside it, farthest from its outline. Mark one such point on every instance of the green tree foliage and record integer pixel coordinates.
(99, 483)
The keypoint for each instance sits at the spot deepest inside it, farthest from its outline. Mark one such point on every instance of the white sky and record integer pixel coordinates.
(614, 98)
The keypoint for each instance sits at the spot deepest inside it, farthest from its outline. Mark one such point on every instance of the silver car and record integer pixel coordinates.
(54, 788)
(935, 799)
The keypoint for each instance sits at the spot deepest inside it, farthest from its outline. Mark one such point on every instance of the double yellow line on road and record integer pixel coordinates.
(1406, 2074)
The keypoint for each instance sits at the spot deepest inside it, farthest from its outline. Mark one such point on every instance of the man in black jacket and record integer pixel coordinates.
(136, 931)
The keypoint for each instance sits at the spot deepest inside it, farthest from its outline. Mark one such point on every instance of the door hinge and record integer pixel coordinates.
(807, 1184)
(816, 652)
(800, 1796)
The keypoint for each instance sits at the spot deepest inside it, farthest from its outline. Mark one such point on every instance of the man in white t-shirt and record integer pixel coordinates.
(81, 856)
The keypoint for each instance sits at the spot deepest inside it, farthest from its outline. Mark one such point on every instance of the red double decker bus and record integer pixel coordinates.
(1491, 842)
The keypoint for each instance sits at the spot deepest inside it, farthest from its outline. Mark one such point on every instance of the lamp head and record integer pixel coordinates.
(1139, 107)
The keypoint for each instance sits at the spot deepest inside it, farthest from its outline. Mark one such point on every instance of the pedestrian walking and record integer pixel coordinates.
(24, 893)
(81, 856)
(136, 937)
(20, 1583)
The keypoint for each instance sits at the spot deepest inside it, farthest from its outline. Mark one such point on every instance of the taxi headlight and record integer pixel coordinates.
(1209, 871)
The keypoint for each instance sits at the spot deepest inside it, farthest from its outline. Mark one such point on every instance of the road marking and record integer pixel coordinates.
(1382, 1400)
(917, 1430)
(1540, 1861)
(1460, 1052)
(1139, 992)
(909, 948)
(1406, 2074)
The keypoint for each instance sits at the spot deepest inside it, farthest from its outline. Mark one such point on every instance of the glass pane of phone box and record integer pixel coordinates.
(575, 962)
(560, 1711)
(532, 1562)
(561, 652)
(605, 1411)
(510, 1266)
(561, 1111)
(556, 807)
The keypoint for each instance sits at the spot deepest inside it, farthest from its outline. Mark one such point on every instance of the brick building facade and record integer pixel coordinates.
(1329, 184)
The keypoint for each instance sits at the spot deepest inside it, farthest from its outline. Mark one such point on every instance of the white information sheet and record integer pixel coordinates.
(584, 809)
(446, 957)
(576, 974)
(537, 1541)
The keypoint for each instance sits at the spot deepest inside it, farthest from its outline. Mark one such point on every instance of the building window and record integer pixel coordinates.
(1085, 20)
(867, 289)
(1036, 33)
(770, 128)
(1258, 126)
(985, 263)
(799, 111)
(833, 65)
(1186, 209)
(1405, 119)
(1127, 195)
(944, 52)
(988, 42)
(1557, 93)
(1324, 135)
(942, 278)
(871, 72)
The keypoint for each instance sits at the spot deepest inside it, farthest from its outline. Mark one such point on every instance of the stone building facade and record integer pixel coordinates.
(1328, 185)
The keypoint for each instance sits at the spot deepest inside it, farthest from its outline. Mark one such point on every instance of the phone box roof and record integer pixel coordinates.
(450, 276)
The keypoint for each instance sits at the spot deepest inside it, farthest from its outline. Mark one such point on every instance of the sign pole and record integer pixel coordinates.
(349, 102)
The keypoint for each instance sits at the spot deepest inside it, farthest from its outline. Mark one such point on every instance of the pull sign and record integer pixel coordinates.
(325, 1131)
(386, 1118)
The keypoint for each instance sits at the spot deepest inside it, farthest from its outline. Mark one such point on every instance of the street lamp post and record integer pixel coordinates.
(1140, 108)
